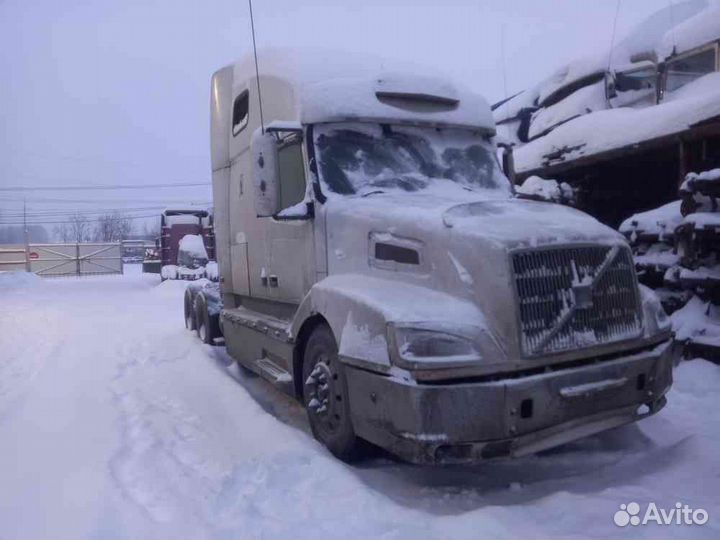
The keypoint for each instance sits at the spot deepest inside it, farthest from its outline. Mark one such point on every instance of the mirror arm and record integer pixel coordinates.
(309, 214)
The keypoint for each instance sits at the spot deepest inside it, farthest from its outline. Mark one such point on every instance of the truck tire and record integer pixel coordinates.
(325, 396)
(190, 322)
(206, 325)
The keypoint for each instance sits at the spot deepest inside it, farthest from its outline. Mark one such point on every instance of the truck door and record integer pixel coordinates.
(291, 264)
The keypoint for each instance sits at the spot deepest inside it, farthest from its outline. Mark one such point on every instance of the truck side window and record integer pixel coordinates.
(292, 173)
(240, 112)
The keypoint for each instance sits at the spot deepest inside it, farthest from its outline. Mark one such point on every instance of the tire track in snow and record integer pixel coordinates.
(154, 463)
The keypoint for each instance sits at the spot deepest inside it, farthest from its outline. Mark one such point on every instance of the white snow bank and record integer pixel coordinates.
(18, 279)
(193, 245)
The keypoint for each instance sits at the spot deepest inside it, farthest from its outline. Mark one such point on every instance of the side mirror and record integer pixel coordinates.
(266, 178)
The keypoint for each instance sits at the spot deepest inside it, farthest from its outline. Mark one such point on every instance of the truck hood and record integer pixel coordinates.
(463, 246)
(518, 223)
(500, 223)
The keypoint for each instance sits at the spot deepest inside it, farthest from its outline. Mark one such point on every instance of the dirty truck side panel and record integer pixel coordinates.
(220, 101)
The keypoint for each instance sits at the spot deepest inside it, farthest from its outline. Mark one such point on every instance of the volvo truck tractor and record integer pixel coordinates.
(375, 263)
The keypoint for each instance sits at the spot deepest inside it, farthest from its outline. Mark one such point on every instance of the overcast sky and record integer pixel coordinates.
(116, 92)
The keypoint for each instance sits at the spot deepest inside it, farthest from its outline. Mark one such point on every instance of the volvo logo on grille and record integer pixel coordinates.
(583, 295)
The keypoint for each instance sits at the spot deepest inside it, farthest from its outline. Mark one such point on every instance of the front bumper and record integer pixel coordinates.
(470, 421)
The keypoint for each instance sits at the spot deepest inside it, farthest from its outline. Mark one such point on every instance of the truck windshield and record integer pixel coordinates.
(357, 158)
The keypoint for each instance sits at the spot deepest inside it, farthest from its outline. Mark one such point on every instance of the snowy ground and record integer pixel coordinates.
(116, 422)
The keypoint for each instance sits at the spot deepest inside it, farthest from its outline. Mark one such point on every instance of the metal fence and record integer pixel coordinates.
(63, 259)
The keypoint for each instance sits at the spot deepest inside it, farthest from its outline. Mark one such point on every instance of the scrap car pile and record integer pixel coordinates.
(623, 127)
(677, 251)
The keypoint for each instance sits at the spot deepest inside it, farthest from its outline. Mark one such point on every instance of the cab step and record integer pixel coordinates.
(273, 373)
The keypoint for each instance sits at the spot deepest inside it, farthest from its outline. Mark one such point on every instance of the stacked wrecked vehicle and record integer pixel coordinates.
(677, 252)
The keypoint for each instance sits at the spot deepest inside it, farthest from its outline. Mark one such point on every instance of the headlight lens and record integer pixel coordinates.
(416, 347)
(654, 308)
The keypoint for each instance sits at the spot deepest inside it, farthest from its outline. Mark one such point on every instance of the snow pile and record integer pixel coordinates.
(14, 280)
(183, 272)
(546, 190)
(193, 245)
(659, 221)
(697, 321)
(211, 271)
(169, 271)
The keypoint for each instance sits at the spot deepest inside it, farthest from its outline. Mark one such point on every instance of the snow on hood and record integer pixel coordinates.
(521, 223)
(193, 245)
(493, 217)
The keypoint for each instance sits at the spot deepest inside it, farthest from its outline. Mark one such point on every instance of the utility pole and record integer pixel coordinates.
(27, 236)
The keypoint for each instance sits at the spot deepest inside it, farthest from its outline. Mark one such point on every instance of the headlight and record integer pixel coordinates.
(419, 346)
(653, 310)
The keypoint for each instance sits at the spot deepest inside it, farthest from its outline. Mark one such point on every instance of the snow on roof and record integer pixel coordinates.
(666, 24)
(656, 221)
(340, 85)
(647, 35)
(617, 128)
(512, 106)
(573, 72)
(692, 32)
(587, 99)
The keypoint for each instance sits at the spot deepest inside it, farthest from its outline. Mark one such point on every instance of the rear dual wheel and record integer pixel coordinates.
(206, 326)
(189, 311)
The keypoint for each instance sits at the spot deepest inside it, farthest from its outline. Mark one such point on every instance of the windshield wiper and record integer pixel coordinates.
(372, 192)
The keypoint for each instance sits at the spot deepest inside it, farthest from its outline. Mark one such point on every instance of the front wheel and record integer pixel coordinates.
(325, 396)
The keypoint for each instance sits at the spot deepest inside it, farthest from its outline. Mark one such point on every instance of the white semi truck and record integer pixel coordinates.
(375, 263)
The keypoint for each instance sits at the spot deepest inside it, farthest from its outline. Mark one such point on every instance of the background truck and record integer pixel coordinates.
(375, 263)
(185, 247)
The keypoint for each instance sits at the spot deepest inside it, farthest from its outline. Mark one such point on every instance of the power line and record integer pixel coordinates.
(43, 200)
(37, 222)
(60, 212)
(96, 187)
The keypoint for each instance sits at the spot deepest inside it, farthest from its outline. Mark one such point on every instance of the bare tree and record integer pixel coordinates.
(151, 230)
(113, 227)
(63, 233)
(80, 229)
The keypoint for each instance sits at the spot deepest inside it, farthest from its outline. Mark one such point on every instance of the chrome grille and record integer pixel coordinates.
(575, 297)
